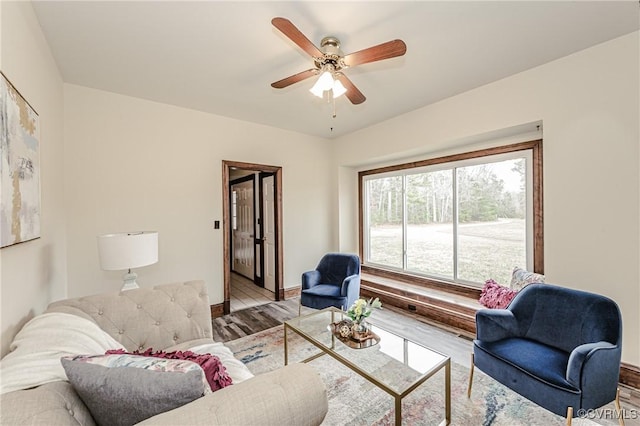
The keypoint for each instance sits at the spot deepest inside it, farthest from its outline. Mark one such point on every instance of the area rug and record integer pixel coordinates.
(355, 401)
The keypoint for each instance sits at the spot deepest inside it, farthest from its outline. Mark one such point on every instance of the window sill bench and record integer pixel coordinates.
(450, 309)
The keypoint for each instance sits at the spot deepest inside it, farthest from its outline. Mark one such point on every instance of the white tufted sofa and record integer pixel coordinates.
(172, 317)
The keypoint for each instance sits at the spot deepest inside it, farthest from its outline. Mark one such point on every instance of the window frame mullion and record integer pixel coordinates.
(404, 222)
(454, 220)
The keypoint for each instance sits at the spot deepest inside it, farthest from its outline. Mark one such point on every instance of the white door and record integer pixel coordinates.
(243, 229)
(269, 237)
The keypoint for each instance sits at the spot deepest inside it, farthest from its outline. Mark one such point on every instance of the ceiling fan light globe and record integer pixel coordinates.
(325, 81)
(338, 89)
(317, 91)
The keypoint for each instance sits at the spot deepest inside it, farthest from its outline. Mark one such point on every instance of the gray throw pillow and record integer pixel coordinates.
(126, 396)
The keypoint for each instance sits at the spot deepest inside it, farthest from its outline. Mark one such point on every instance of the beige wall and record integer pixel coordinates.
(34, 273)
(126, 164)
(132, 164)
(589, 106)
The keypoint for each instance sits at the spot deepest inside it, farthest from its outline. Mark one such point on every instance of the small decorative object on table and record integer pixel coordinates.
(360, 331)
(360, 310)
(355, 332)
(343, 331)
(344, 328)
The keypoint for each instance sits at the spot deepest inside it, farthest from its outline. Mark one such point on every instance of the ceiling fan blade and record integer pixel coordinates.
(387, 50)
(280, 84)
(287, 28)
(353, 94)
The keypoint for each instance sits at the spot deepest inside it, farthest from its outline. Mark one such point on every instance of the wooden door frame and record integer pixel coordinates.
(226, 225)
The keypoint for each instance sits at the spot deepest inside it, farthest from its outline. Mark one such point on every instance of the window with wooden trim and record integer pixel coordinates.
(459, 219)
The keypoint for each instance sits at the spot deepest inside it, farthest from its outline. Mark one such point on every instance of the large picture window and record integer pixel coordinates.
(460, 219)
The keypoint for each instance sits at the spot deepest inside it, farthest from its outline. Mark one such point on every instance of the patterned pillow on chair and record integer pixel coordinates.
(495, 296)
(521, 278)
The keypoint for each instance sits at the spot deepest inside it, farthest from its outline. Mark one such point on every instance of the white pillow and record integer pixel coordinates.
(36, 350)
(235, 368)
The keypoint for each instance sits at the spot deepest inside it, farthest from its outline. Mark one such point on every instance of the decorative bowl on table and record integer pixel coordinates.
(357, 338)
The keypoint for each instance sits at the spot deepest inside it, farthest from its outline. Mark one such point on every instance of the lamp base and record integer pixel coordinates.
(129, 281)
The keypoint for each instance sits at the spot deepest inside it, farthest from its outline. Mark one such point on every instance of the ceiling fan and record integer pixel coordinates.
(329, 62)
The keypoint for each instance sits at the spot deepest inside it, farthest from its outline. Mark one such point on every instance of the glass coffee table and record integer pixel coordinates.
(407, 364)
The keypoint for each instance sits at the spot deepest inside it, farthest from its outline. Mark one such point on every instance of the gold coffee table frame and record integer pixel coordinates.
(309, 327)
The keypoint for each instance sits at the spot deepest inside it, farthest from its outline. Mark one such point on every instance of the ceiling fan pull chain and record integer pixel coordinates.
(334, 106)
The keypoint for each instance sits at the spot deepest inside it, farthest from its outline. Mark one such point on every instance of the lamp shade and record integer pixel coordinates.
(324, 82)
(128, 250)
(338, 89)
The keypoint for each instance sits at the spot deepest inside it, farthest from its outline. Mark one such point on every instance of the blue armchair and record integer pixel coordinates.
(334, 282)
(557, 347)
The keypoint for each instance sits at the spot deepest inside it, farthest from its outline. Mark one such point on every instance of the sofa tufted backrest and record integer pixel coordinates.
(158, 317)
(566, 318)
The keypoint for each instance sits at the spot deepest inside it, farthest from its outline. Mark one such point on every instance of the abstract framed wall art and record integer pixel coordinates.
(19, 167)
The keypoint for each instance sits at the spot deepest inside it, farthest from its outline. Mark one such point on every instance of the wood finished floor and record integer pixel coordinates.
(257, 318)
(269, 314)
(253, 309)
(245, 294)
(253, 320)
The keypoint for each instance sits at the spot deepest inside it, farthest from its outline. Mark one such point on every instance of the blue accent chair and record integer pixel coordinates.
(557, 347)
(334, 282)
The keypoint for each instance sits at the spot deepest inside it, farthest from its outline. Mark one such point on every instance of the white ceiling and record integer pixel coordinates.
(220, 57)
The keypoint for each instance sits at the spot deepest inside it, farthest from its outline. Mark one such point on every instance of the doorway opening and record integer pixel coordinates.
(252, 229)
